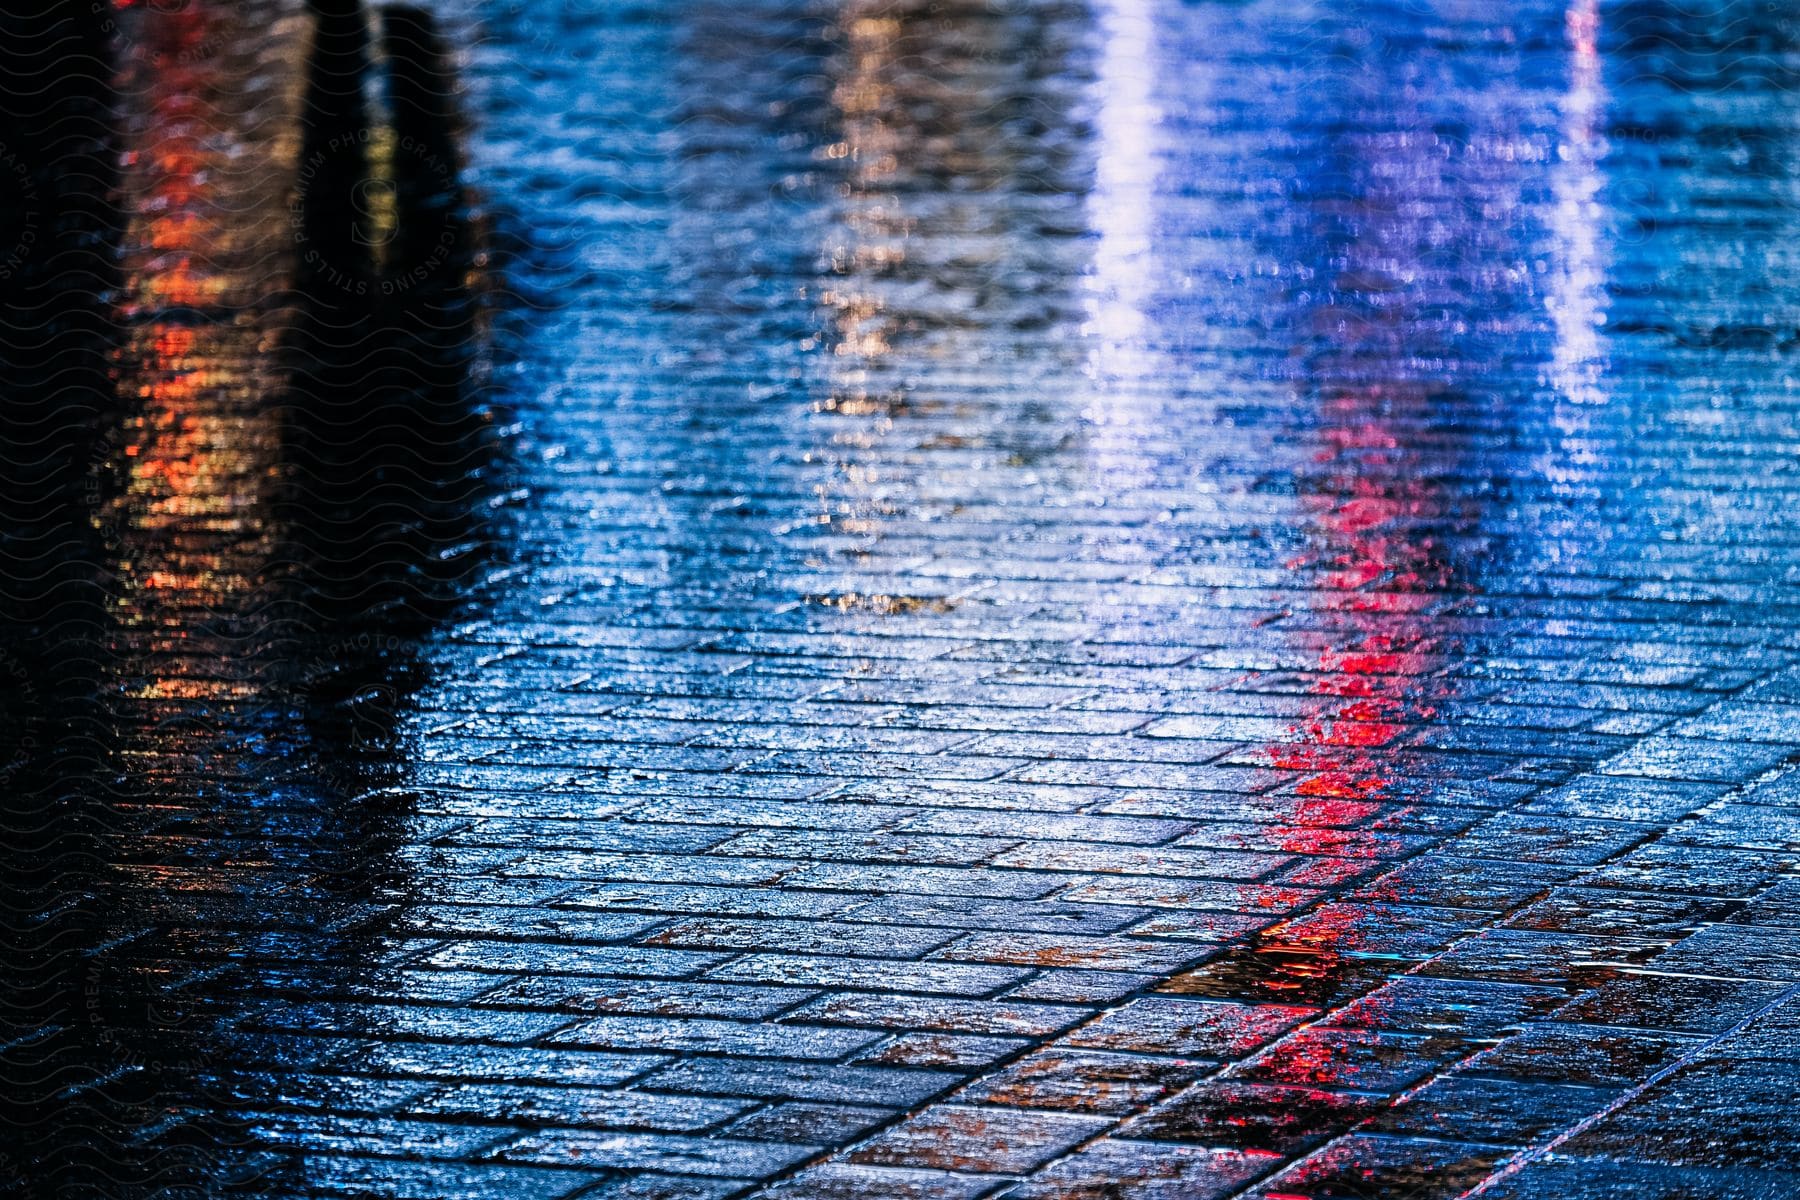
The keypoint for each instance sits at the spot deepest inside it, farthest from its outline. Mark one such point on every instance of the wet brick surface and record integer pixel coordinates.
(934, 599)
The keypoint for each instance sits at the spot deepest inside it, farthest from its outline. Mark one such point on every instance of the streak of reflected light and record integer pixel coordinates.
(1121, 207)
(1577, 300)
(1122, 279)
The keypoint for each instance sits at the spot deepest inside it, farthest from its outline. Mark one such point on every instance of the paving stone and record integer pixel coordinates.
(942, 1015)
(1749, 826)
(587, 836)
(1086, 1081)
(800, 1121)
(1710, 1114)
(1501, 1112)
(1134, 860)
(1766, 1034)
(1585, 1054)
(1604, 1179)
(1388, 931)
(388, 1179)
(770, 813)
(1039, 827)
(525, 924)
(1080, 987)
(1305, 979)
(878, 974)
(812, 846)
(799, 937)
(1351, 1059)
(1359, 1166)
(994, 1141)
(652, 1152)
(1188, 895)
(1618, 912)
(1243, 1115)
(1158, 1025)
(1626, 799)
(1550, 959)
(942, 1050)
(1697, 760)
(1344, 843)
(929, 881)
(960, 913)
(712, 901)
(440, 1060)
(851, 1181)
(1667, 867)
(613, 994)
(1125, 1170)
(714, 1037)
(1448, 881)
(646, 1186)
(579, 1107)
(1461, 1008)
(1743, 953)
(539, 958)
(1071, 950)
(1691, 1004)
(1776, 905)
(323, 1134)
(397, 1021)
(313, 1091)
(800, 1081)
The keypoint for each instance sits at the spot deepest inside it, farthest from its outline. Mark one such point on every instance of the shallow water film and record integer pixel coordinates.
(900, 599)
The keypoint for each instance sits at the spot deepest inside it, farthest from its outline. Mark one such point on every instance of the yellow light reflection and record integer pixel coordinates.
(873, 226)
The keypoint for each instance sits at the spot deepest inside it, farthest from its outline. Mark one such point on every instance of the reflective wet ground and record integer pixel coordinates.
(902, 599)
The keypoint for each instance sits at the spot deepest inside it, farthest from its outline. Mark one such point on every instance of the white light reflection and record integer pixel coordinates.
(1577, 299)
(1121, 211)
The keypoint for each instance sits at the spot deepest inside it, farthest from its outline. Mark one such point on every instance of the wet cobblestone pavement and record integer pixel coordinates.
(918, 600)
